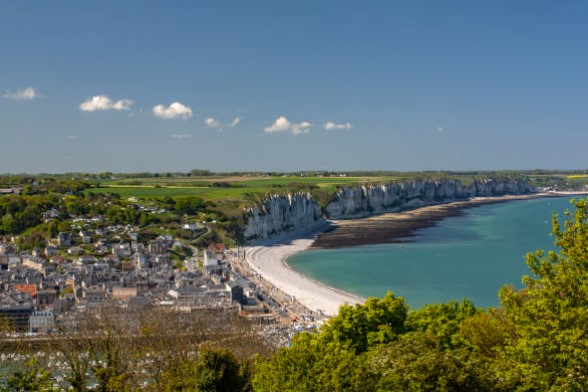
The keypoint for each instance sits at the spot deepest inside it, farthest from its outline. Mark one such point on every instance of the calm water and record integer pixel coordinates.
(470, 256)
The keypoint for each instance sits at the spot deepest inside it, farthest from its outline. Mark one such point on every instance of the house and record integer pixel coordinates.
(16, 308)
(50, 250)
(87, 259)
(158, 246)
(160, 259)
(101, 249)
(122, 250)
(63, 240)
(35, 263)
(111, 259)
(124, 293)
(139, 260)
(41, 322)
(211, 263)
(126, 266)
(46, 297)
(50, 214)
(75, 250)
(57, 260)
(7, 249)
(237, 293)
(29, 289)
(217, 248)
(95, 294)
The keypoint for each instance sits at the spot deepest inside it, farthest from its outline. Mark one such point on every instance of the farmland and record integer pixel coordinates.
(237, 188)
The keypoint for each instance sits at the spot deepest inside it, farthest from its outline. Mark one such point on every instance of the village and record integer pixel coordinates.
(108, 266)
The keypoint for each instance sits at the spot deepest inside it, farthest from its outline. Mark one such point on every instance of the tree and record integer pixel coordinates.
(31, 378)
(419, 362)
(377, 321)
(218, 371)
(312, 365)
(550, 313)
(334, 360)
(443, 320)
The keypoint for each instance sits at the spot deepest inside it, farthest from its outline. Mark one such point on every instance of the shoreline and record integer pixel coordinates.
(400, 226)
(269, 258)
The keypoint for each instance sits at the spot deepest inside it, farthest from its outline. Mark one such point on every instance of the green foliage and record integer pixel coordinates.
(333, 360)
(31, 378)
(442, 320)
(378, 321)
(192, 205)
(419, 362)
(551, 313)
(312, 364)
(487, 332)
(219, 371)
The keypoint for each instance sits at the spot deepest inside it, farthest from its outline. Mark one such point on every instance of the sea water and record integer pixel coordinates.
(469, 256)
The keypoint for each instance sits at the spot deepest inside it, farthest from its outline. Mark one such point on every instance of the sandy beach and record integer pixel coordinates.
(269, 258)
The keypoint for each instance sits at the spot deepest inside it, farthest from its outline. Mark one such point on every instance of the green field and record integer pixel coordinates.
(162, 191)
(236, 188)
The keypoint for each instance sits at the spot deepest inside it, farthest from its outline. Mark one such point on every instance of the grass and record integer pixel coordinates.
(152, 191)
(238, 189)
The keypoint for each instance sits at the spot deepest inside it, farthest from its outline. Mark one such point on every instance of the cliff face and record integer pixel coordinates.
(366, 200)
(279, 215)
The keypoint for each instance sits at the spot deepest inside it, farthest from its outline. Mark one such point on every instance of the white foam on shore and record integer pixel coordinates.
(269, 260)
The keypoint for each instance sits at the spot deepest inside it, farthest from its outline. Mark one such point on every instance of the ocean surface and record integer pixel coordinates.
(469, 256)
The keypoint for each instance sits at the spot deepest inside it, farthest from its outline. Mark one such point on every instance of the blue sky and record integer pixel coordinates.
(292, 85)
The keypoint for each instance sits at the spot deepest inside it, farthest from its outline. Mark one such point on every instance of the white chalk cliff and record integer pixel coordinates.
(280, 214)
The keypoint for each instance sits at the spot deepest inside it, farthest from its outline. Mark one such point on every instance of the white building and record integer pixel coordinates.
(210, 262)
(41, 322)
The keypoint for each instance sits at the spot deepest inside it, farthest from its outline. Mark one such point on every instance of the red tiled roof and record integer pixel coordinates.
(29, 289)
(217, 247)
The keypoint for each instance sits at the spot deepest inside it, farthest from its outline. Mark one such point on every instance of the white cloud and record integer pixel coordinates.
(73, 137)
(175, 110)
(180, 136)
(303, 127)
(440, 129)
(282, 124)
(234, 122)
(211, 122)
(330, 126)
(26, 94)
(102, 102)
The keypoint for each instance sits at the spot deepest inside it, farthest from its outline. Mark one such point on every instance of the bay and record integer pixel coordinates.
(469, 256)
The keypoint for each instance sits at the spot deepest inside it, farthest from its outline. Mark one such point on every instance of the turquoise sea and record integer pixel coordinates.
(470, 256)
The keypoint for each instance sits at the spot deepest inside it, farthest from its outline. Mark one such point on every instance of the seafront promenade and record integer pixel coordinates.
(294, 309)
